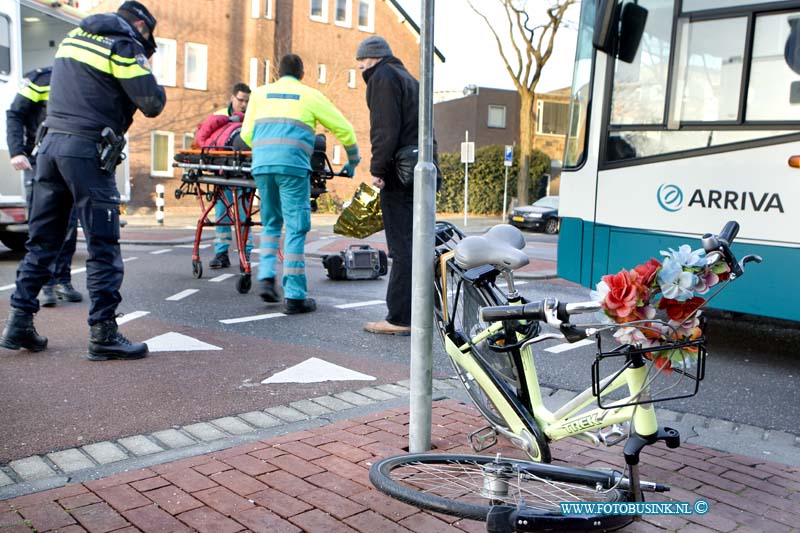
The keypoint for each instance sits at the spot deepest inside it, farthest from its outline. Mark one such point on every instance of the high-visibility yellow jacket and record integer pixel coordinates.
(101, 76)
(280, 126)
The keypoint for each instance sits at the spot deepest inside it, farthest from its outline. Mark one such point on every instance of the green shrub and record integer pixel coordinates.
(486, 178)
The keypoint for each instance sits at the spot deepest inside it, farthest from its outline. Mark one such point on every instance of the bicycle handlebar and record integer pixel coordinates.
(720, 245)
(548, 310)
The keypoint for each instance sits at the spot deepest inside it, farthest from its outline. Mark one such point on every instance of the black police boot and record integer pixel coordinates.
(268, 293)
(20, 333)
(47, 296)
(106, 342)
(65, 291)
(220, 261)
(294, 307)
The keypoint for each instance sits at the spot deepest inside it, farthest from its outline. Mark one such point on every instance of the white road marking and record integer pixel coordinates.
(127, 317)
(177, 342)
(181, 295)
(7, 287)
(315, 371)
(516, 283)
(251, 318)
(158, 252)
(201, 247)
(77, 270)
(360, 304)
(129, 259)
(221, 277)
(568, 346)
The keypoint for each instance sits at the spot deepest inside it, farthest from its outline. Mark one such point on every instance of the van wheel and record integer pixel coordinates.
(14, 241)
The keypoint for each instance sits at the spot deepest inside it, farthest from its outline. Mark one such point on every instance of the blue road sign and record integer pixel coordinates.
(508, 156)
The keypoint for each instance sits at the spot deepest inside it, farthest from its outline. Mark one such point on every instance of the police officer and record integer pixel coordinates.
(23, 118)
(101, 76)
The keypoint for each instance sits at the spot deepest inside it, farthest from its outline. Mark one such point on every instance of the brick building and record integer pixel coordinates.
(206, 46)
(492, 117)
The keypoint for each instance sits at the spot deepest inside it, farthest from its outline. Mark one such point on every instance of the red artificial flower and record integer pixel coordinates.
(680, 311)
(647, 272)
(623, 293)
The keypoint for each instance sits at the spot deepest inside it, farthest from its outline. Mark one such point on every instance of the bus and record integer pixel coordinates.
(685, 114)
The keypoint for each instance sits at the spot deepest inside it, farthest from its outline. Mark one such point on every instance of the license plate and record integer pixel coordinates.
(518, 219)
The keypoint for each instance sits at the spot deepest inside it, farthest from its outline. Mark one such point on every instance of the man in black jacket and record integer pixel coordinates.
(23, 118)
(393, 101)
(101, 76)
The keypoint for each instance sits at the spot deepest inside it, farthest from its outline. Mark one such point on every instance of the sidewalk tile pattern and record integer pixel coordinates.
(317, 481)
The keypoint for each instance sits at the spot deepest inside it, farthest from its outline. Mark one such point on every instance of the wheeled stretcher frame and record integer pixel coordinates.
(208, 172)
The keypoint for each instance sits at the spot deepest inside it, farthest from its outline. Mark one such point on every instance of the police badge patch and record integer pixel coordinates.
(142, 61)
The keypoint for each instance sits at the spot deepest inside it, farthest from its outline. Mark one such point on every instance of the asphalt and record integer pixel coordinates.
(325, 444)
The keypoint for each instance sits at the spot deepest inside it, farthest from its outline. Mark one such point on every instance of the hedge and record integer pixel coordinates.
(486, 178)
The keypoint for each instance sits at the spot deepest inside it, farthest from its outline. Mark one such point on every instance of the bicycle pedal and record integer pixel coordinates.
(614, 435)
(483, 439)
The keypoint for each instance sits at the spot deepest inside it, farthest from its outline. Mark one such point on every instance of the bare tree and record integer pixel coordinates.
(525, 50)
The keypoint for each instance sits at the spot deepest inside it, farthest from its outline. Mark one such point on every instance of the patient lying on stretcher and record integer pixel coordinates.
(220, 130)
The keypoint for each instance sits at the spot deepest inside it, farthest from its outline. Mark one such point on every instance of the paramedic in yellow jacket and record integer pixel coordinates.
(280, 126)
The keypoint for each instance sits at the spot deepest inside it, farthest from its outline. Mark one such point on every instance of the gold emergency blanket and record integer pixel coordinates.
(362, 216)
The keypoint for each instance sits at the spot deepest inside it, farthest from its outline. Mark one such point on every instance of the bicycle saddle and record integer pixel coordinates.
(500, 247)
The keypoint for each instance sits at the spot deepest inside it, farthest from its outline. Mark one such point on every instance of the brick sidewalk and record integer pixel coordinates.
(317, 481)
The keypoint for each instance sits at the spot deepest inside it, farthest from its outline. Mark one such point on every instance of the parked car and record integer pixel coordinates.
(541, 215)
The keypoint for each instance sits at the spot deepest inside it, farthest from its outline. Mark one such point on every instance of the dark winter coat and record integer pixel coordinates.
(393, 101)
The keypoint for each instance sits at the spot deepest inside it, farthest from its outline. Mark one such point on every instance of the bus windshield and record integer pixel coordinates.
(581, 89)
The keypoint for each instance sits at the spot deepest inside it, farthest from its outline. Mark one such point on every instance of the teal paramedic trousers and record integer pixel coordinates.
(285, 198)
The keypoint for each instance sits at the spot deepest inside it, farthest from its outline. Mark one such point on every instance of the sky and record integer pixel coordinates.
(471, 51)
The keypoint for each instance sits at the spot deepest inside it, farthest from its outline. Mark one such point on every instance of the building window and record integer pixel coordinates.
(366, 15)
(188, 139)
(5, 46)
(337, 154)
(351, 78)
(322, 73)
(552, 118)
(343, 13)
(319, 10)
(497, 116)
(164, 61)
(268, 9)
(162, 151)
(267, 71)
(195, 76)
(253, 82)
(255, 8)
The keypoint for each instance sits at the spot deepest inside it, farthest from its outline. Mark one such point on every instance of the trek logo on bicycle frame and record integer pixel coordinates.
(582, 424)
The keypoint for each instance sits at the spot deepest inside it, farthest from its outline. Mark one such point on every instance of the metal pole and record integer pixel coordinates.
(466, 179)
(505, 195)
(419, 437)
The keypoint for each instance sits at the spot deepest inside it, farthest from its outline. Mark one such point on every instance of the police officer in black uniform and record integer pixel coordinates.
(23, 118)
(101, 76)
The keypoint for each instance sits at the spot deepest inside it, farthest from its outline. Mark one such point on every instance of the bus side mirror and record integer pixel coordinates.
(618, 29)
(634, 17)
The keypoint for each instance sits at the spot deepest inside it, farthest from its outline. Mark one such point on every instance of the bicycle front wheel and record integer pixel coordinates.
(469, 485)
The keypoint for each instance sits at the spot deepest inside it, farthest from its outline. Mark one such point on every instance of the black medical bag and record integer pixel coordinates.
(358, 261)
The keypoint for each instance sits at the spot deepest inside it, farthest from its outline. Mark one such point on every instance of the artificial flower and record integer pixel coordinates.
(675, 282)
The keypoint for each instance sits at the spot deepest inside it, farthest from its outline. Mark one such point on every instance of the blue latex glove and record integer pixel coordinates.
(349, 169)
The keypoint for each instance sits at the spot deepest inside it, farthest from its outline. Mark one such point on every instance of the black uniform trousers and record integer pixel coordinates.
(397, 205)
(63, 264)
(68, 173)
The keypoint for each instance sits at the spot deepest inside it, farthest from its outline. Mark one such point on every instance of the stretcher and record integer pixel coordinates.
(208, 173)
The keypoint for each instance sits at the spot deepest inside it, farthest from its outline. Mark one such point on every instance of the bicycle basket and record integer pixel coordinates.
(675, 371)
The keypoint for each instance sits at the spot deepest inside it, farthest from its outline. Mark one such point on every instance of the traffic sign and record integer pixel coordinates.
(468, 152)
(508, 156)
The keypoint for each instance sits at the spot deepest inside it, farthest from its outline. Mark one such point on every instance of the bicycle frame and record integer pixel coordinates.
(526, 411)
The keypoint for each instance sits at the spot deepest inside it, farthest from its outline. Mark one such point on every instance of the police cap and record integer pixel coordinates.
(138, 10)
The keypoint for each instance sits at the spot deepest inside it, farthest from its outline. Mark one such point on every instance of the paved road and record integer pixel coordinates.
(58, 399)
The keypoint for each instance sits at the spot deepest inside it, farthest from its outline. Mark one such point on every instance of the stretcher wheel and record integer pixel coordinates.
(178, 194)
(244, 283)
(197, 268)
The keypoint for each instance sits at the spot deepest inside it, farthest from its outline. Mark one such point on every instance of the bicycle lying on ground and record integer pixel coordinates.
(489, 336)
